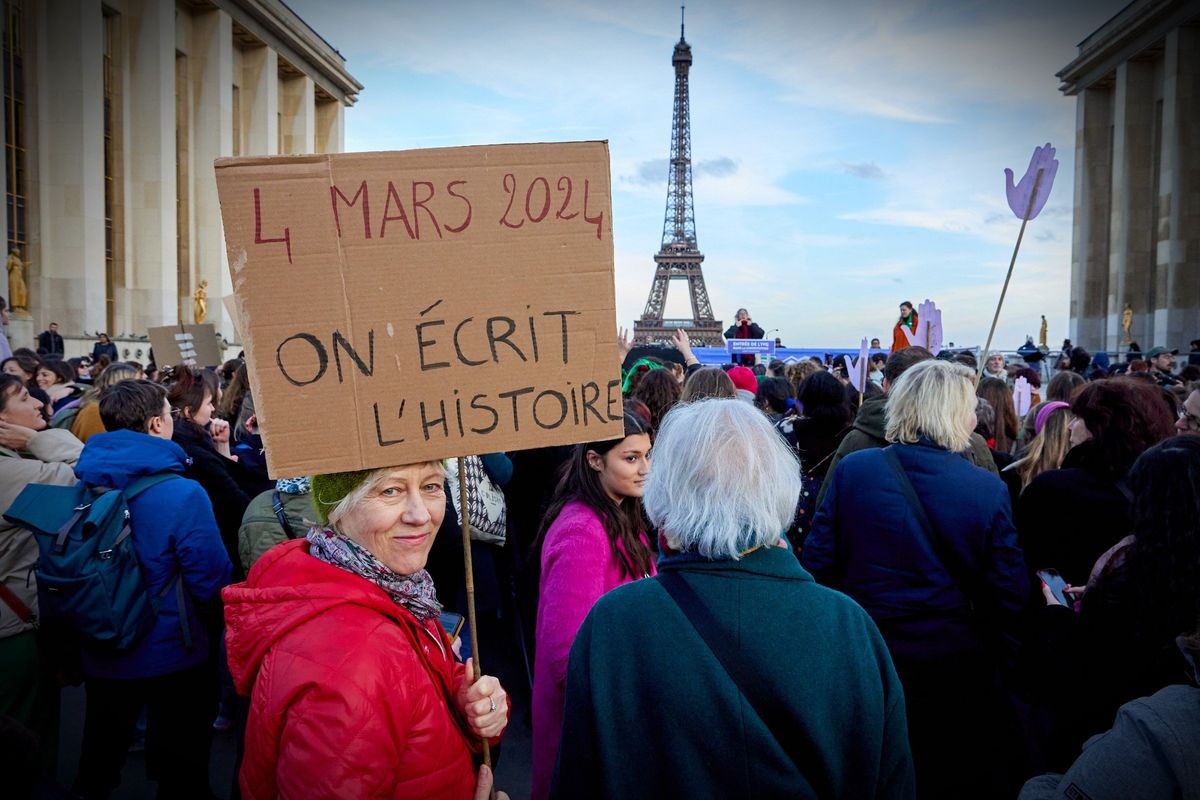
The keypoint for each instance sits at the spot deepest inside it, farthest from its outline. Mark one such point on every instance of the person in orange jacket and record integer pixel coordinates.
(908, 319)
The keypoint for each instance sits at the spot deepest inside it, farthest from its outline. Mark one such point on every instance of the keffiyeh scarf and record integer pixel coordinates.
(414, 592)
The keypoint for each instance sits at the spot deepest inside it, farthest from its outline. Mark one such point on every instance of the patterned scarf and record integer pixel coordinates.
(414, 592)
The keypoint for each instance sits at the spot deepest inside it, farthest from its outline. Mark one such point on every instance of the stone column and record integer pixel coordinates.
(150, 154)
(298, 115)
(1131, 226)
(212, 138)
(260, 100)
(1178, 235)
(1089, 249)
(69, 286)
(330, 127)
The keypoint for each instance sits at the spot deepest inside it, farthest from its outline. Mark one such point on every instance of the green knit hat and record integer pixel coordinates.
(329, 490)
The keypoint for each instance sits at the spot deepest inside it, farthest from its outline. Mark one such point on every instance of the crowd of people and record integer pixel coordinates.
(772, 585)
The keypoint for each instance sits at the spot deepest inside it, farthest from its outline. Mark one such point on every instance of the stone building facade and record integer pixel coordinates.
(1137, 177)
(114, 111)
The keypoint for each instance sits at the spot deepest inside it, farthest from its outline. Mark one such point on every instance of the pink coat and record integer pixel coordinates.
(577, 567)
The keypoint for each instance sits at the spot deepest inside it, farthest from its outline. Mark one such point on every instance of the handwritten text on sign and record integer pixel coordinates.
(398, 307)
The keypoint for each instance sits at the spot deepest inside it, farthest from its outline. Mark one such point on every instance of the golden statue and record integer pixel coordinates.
(18, 293)
(200, 302)
(1127, 323)
(1042, 333)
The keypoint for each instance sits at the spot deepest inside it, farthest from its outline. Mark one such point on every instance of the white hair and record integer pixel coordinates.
(934, 399)
(723, 481)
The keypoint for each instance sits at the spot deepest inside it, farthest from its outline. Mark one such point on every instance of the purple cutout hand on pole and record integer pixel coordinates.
(1019, 196)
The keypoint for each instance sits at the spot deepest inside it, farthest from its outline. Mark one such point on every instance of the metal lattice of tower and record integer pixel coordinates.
(679, 258)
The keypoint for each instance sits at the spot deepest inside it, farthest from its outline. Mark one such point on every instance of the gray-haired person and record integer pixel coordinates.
(731, 673)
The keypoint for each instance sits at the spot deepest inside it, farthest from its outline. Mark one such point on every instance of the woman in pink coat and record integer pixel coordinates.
(593, 540)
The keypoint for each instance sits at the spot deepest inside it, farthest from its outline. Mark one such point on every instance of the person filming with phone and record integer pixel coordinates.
(1121, 627)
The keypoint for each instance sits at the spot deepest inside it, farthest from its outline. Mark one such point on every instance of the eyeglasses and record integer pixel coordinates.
(1192, 420)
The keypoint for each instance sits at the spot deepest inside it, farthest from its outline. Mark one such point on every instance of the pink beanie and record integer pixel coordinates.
(1044, 413)
(743, 378)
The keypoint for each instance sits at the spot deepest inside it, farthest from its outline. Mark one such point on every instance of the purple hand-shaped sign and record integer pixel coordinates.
(1021, 198)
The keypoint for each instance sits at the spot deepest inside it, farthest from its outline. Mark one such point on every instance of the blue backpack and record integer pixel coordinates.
(88, 573)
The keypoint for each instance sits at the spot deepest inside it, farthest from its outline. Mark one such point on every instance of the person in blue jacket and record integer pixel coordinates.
(938, 568)
(169, 672)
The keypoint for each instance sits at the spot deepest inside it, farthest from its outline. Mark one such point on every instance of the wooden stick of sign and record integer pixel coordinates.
(465, 523)
(862, 379)
(987, 348)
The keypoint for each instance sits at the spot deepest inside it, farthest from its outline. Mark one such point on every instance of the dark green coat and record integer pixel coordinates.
(650, 712)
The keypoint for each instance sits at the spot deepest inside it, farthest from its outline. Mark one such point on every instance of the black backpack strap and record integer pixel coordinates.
(784, 727)
(943, 551)
(277, 506)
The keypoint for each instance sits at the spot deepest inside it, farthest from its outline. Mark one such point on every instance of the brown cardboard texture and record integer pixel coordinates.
(401, 307)
(194, 345)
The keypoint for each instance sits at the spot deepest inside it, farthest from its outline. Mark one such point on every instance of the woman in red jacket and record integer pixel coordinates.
(908, 319)
(354, 689)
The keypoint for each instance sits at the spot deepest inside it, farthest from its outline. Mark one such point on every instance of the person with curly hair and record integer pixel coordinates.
(1137, 598)
(1067, 517)
(659, 390)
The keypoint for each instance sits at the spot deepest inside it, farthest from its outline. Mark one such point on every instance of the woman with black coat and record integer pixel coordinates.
(1141, 595)
(1068, 517)
(229, 486)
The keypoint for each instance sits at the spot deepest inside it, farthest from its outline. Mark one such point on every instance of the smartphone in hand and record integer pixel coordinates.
(1057, 585)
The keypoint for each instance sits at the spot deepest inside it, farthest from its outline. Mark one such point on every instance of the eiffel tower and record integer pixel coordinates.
(679, 258)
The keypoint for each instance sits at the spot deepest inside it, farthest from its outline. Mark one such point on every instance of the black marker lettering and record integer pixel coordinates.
(514, 394)
(322, 358)
(562, 401)
(367, 369)
(426, 423)
(422, 343)
(458, 349)
(484, 407)
(493, 339)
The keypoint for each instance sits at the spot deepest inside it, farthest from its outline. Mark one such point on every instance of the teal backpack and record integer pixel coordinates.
(88, 573)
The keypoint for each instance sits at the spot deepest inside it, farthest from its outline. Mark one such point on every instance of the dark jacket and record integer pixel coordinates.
(1150, 752)
(755, 331)
(651, 713)
(102, 349)
(867, 542)
(1129, 652)
(949, 602)
(867, 431)
(228, 485)
(1068, 517)
(174, 534)
(261, 529)
(50, 343)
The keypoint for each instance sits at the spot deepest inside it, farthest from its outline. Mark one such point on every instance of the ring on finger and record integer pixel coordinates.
(493, 708)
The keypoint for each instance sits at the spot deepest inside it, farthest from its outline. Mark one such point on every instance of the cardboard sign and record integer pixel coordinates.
(754, 347)
(401, 307)
(859, 368)
(194, 345)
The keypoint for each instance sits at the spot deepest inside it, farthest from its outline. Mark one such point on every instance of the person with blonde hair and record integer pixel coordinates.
(755, 635)
(924, 541)
(1049, 446)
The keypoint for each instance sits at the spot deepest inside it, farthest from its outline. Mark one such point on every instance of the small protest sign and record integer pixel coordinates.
(193, 345)
(1022, 396)
(929, 328)
(754, 347)
(399, 307)
(857, 368)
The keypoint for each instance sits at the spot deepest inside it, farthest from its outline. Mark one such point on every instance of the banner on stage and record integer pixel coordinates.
(754, 347)
(409, 306)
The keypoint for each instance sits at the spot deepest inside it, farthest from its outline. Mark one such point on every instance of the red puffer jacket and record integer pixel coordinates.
(351, 696)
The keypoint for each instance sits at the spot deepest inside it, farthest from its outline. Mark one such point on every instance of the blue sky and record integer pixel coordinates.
(847, 155)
